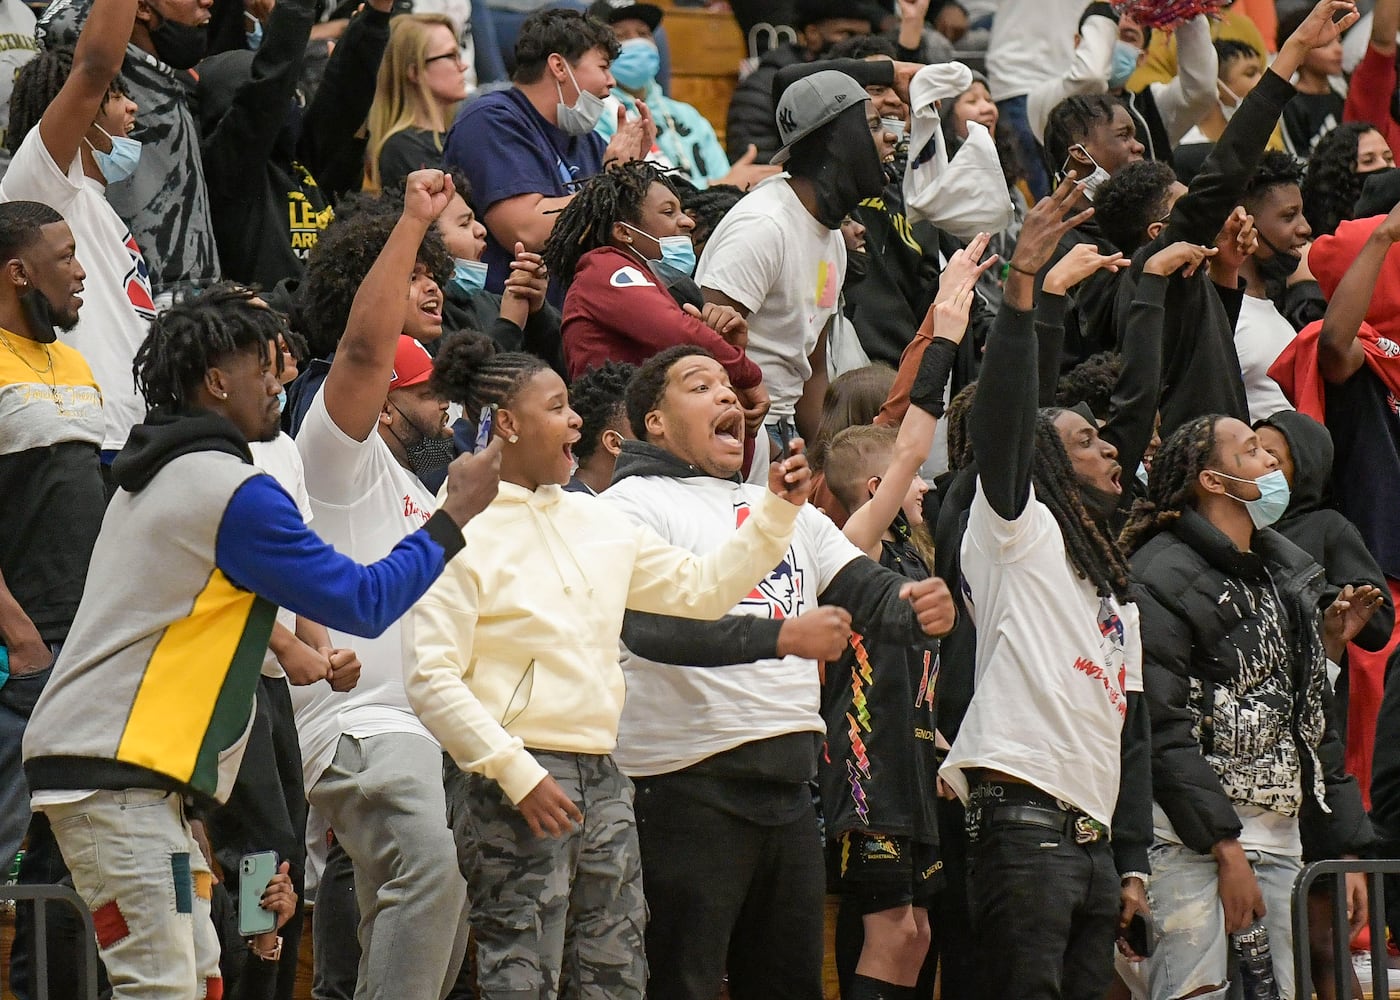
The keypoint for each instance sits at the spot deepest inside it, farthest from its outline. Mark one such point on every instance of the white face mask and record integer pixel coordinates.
(583, 116)
(1095, 180)
(1227, 110)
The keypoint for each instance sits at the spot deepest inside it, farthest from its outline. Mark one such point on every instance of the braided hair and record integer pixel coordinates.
(1073, 121)
(707, 207)
(1091, 382)
(599, 397)
(1171, 484)
(1093, 554)
(615, 195)
(36, 85)
(1331, 184)
(955, 418)
(197, 334)
(470, 370)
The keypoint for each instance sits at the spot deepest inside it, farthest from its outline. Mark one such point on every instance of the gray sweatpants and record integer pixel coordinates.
(554, 917)
(383, 797)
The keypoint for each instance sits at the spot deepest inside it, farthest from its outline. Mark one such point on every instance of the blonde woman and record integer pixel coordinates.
(420, 84)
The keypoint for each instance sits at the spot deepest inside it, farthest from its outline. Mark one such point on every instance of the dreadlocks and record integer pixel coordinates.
(955, 417)
(36, 85)
(471, 371)
(1071, 122)
(197, 334)
(1092, 553)
(707, 207)
(615, 195)
(1091, 382)
(1170, 486)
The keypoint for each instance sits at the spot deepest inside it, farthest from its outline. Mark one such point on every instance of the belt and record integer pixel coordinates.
(1080, 828)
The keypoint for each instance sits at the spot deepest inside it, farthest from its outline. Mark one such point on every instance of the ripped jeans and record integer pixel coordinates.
(1192, 947)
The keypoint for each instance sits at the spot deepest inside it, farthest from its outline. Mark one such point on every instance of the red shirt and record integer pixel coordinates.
(1368, 96)
(616, 310)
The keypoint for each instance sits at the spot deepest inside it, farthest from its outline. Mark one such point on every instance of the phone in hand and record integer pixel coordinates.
(485, 423)
(255, 871)
(1141, 935)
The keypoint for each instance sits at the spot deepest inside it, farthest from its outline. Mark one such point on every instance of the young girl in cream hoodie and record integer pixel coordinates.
(514, 668)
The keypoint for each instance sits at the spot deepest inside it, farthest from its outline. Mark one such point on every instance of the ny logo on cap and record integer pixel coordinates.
(786, 121)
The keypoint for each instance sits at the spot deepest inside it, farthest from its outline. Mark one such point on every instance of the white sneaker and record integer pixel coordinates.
(1361, 964)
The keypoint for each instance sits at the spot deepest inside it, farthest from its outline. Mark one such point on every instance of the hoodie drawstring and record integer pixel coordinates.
(547, 522)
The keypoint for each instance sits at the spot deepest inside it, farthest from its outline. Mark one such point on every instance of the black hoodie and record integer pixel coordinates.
(166, 435)
(266, 207)
(1312, 524)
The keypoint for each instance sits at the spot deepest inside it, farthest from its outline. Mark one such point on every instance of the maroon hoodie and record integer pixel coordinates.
(616, 310)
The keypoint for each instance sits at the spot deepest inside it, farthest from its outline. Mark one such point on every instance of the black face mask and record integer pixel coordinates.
(857, 267)
(1276, 269)
(683, 287)
(179, 46)
(841, 161)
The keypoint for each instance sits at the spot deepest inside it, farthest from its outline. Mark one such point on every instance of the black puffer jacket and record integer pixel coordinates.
(753, 113)
(1195, 620)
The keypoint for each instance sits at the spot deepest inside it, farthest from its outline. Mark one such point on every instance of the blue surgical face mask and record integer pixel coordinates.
(121, 162)
(255, 33)
(637, 63)
(1125, 62)
(676, 251)
(1273, 497)
(282, 400)
(468, 276)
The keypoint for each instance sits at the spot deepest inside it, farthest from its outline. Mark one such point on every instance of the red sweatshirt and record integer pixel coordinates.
(1368, 96)
(616, 310)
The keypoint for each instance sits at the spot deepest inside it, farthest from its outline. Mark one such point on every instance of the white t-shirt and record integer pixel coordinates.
(1260, 337)
(280, 459)
(17, 47)
(1054, 663)
(677, 716)
(772, 257)
(364, 503)
(117, 305)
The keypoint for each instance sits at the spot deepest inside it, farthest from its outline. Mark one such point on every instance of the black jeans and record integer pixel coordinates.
(729, 894)
(1044, 914)
(266, 811)
(335, 930)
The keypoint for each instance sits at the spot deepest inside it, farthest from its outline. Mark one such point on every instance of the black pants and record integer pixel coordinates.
(729, 894)
(335, 931)
(266, 811)
(1044, 914)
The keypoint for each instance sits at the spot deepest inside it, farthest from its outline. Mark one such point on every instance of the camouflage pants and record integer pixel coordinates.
(553, 917)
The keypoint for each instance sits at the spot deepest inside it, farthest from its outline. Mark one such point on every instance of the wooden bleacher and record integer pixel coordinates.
(706, 48)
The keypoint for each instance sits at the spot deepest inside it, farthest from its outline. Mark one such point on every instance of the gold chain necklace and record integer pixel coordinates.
(51, 381)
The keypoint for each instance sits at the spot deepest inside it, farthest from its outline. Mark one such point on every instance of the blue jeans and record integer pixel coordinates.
(1192, 948)
(1013, 112)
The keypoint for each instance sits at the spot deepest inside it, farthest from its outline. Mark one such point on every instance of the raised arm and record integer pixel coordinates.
(1189, 96)
(1339, 354)
(1002, 422)
(1385, 22)
(364, 361)
(97, 60)
(1087, 74)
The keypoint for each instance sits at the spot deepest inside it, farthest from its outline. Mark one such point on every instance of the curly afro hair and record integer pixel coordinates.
(341, 260)
(1276, 169)
(1331, 184)
(1091, 382)
(1131, 200)
(599, 397)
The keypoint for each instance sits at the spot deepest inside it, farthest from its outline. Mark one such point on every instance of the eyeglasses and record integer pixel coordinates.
(454, 56)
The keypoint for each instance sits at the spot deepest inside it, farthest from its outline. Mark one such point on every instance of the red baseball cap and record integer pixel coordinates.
(413, 365)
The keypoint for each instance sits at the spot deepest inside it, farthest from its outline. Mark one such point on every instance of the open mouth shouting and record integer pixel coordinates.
(729, 428)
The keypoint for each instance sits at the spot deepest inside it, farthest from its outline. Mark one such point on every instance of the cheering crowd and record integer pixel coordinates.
(577, 549)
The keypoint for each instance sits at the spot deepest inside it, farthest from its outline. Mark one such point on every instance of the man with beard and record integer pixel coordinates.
(778, 257)
(150, 703)
(165, 201)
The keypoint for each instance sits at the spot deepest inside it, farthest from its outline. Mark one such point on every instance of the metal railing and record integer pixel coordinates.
(41, 896)
(1341, 931)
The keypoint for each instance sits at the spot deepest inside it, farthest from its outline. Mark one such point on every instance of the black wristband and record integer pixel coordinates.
(934, 369)
(1020, 270)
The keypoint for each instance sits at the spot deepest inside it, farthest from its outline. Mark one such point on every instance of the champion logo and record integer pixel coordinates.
(629, 277)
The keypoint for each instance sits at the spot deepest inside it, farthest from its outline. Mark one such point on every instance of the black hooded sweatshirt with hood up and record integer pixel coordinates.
(1320, 530)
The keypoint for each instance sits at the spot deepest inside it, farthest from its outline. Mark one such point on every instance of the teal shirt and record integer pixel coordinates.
(683, 135)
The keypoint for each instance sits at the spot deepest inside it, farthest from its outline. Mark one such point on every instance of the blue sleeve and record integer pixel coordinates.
(264, 546)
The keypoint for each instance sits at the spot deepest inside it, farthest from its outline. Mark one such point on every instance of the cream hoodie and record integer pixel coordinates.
(516, 644)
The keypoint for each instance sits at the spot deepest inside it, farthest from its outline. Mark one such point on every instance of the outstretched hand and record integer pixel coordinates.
(1322, 26)
(964, 264)
(1045, 224)
(1184, 257)
(1082, 261)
